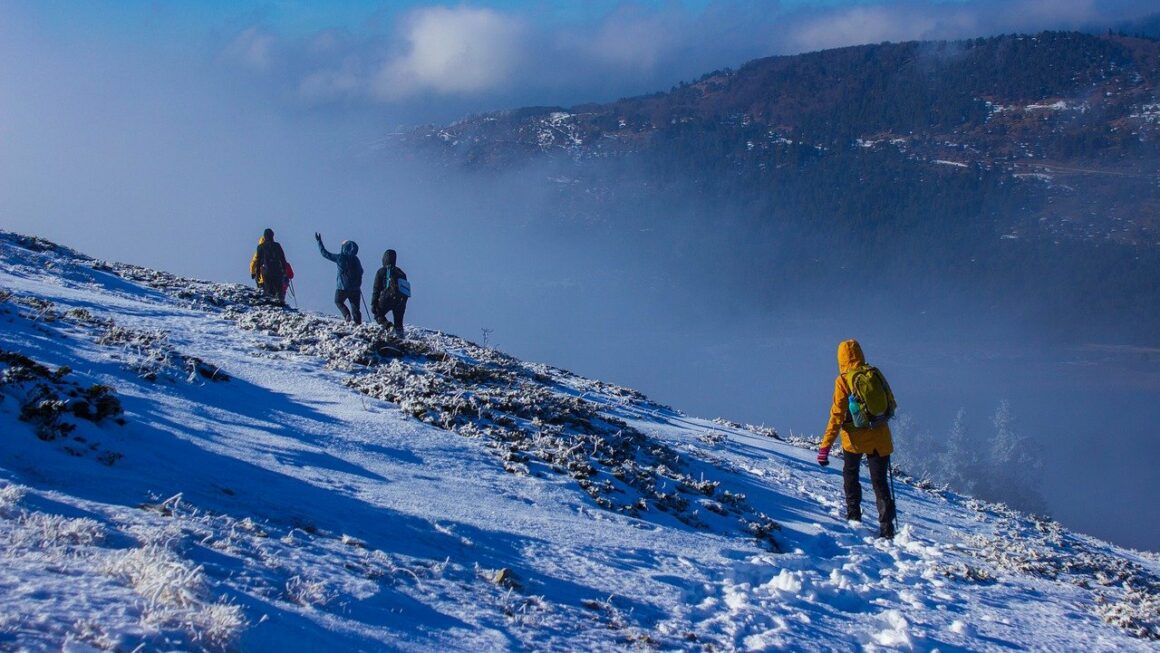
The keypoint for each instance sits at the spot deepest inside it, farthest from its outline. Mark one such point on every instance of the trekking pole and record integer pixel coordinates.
(364, 303)
(893, 498)
(293, 294)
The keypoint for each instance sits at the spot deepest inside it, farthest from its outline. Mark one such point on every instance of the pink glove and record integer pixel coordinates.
(824, 456)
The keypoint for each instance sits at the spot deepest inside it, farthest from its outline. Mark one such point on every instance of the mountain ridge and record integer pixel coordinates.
(1017, 174)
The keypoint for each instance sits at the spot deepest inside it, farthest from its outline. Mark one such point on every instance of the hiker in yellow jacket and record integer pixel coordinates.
(270, 269)
(871, 440)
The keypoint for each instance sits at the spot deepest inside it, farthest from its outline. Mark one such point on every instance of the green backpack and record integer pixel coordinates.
(871, 401)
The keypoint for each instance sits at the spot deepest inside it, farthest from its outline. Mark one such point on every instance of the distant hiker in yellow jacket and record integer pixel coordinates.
(862, 405)
(270, 269)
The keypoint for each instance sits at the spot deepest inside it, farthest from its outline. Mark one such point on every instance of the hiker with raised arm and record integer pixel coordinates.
(350, 274)
(862, 405)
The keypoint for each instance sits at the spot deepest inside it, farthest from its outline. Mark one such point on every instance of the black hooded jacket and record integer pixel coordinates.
(386, 288)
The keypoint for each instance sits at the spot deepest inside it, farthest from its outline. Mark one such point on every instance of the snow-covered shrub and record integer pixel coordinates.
(149, 354)
(1137, 611)
(1123, 593)
(607, 613)
(52, 403)
(752, 428)
(712, 437)
(523, 610)
(10, 497)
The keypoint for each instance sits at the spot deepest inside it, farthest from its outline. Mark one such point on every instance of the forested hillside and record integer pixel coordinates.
(1015, 171)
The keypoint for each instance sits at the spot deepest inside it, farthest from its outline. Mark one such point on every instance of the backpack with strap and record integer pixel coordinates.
(271, 263)
(401, 286)
(871, 401)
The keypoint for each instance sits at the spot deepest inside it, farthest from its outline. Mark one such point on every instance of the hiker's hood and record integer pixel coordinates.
(389, 257)
(349, 247)
(849, 355)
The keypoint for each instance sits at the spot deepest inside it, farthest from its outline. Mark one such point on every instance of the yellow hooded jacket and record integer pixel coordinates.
(875, 439)
(256, 268)
(255, 272)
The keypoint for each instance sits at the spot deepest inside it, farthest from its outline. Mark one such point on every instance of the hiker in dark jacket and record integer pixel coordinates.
(386, 297)
(270, 269)
(350, 273)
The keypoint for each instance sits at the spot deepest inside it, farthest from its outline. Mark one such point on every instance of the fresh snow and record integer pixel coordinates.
(278, 481)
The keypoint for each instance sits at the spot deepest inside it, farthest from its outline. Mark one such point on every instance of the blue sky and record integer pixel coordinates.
(414, 61)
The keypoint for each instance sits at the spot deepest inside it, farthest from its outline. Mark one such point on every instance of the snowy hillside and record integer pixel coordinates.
(184, 468)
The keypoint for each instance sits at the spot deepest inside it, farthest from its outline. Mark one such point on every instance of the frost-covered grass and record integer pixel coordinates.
(1126, 593)
(343, 491)
(75, 579)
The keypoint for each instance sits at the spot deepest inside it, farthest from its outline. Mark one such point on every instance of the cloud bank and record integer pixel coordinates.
(453, 51)
(906, 21)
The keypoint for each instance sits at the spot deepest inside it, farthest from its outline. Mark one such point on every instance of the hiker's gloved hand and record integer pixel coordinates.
(824, 457)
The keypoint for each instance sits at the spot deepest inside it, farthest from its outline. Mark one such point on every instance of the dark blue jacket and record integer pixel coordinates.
(350, 270)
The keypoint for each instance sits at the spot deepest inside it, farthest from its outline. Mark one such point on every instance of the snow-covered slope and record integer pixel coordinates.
(183, 468)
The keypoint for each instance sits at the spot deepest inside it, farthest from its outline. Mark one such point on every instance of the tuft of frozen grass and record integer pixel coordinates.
(309, 592)
(174, 594)
(525, 611)
(174, 606)
(39, 530)
(10, 497)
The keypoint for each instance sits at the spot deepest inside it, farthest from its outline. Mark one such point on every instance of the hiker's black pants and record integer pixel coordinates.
(879, 470)
(274, 287)
(397, 306)
(354, 296)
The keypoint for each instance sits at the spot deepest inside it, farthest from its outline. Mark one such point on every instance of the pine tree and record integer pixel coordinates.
(1014, 473)
(959, 466)
(916, 450)
(1005, 446)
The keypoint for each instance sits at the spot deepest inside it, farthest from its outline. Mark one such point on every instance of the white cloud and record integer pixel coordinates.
(253, 48)
(633, 39)
(453, 51)
(344, 81)
(874, 24)
(1030, 13)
